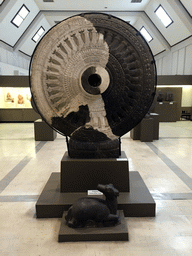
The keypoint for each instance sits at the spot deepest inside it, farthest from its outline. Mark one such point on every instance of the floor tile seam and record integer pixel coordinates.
(9, 177)
(176, 169)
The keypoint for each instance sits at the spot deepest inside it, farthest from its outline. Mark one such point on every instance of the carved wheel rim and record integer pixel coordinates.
(93, 70)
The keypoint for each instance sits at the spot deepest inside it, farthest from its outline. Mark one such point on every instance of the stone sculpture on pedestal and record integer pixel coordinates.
(95, 211)
(93, 79)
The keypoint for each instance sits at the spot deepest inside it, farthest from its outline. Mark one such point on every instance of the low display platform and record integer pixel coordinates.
(118, 232)
(136, 203)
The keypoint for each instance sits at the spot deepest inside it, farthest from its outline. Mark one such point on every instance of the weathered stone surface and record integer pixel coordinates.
(91, 211)
(93, 71)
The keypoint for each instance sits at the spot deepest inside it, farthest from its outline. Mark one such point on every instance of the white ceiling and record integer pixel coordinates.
(46, 14)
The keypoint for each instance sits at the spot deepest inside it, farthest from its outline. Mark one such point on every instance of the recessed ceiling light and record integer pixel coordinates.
(163, 16)
(20, 16)
(146, 34)
(23, 12)
(17, 21)
(38, 34)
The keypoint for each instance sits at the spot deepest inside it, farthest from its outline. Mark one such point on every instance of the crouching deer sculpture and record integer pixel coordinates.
(97, 211)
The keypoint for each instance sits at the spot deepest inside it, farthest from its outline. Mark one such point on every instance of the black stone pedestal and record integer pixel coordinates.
(147, 130)
(155, 117)
(146, 133)
(81, 175)
(115, 233)
(135, 132)
(77, 176)
(43, 132)
(136, 203)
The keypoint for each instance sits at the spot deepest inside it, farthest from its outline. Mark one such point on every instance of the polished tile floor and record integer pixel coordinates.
(165, 165)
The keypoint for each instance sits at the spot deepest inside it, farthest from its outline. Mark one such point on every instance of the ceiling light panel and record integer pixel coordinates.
(17, 21)
(41, 31)
(146, 34)
(163, 16)
(20, 16)
(23, 12)
(38, 34)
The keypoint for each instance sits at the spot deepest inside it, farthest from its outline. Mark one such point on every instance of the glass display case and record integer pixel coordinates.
(15, 97)
(15, 105)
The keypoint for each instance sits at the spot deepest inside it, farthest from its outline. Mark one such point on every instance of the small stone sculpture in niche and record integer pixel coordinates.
(90, 211)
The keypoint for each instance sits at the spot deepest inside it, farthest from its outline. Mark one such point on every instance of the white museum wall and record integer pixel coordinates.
(12, 62)
(186, 96)
(10, 70)
(188, 5)
(177, 61)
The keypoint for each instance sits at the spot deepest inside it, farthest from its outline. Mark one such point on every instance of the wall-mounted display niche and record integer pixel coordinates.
(15, 97)
(173, 101)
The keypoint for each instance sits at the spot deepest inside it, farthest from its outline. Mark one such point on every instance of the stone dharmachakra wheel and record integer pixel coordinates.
(93, 72)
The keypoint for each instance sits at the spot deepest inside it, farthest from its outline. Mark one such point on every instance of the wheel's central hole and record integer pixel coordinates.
(94, 80)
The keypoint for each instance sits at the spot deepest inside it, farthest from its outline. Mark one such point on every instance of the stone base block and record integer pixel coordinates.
(147, 130)
(146, 133)
(80, 175)
(155, 117)
(43, 132)
(136, 203)
(116, 233)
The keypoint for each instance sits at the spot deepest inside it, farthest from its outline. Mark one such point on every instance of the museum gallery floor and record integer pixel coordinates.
(165, 166)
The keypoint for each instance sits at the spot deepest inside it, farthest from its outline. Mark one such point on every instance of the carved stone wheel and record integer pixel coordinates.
(93, 77)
